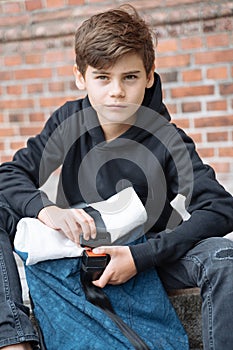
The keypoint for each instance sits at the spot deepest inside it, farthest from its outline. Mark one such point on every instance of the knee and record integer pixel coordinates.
(224, 250)
(219, 247)
(219, 264)
(214, 259)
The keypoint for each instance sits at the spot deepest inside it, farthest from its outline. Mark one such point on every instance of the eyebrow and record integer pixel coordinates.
(107, 73)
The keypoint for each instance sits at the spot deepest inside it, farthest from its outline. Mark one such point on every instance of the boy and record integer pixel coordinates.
(120, 134)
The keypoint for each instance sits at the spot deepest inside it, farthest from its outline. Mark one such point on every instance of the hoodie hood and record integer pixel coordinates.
(153, 98)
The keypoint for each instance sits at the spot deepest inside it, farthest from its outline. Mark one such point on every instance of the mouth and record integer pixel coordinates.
(116, 105)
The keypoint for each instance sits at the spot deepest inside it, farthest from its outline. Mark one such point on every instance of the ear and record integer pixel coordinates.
(79, 79)
(150, 78)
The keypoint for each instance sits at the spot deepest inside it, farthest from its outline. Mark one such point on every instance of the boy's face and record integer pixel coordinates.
(116, 92)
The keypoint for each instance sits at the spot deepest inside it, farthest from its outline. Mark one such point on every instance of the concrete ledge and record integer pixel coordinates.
(187, 303)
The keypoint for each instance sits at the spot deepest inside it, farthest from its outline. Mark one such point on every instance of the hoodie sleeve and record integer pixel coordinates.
(209, 205)
(21, 178)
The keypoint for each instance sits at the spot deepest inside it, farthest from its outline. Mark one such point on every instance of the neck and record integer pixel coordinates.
(112, 131)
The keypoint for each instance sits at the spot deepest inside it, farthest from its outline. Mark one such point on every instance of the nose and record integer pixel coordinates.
(117, 89)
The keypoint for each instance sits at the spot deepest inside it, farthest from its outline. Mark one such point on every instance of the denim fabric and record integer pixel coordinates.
(69, 322)
(209, 265)
(15, 325)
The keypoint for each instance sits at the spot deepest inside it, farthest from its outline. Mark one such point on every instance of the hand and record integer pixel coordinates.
(120, 268)
(72, 222)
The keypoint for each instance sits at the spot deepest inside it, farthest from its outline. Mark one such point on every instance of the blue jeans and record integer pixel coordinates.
(69, 322)
(209, 265)
(15, 325)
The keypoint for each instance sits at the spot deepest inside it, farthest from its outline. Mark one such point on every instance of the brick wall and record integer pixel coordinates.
(194, 58)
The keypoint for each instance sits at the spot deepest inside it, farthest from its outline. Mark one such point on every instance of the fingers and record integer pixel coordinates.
(120, 268)
(86, 223)
(72, 230)
(72, 222)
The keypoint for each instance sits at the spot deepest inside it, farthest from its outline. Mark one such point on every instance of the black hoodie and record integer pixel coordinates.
(154, 156)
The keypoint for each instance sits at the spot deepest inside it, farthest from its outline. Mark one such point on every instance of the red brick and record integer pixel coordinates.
(217, 136)
(54, 3)
(14, 60)
(33, 58)
(167, 45)
(16, 117)
(219, 105)
(206, 152)
(5, 158)
(15, 104)
(192, 75)
(181, 123)
(56, 86)
(6, 75)
(221, 167)
(52, 101)
(30, 130)
(65, 70)
(169, 77)
(6, 131)
(213, 121)
(226, 89)
(226, 152)
(35, 88)
(217, 73)
(192, 91)
(213, 57)
(46, 16)
(15, 145)
(197, 137)
(36, 117)
(32, 5)
(54, 56)
(188, 107)
(33, 73)
(14, 90)
(75, 2)
(191, 43)
(173, 61)
(217, 40)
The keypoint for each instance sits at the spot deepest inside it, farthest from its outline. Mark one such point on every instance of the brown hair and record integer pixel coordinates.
(107, 36)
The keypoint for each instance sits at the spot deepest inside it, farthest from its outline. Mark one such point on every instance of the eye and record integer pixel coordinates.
(102, 77)
(131, 77)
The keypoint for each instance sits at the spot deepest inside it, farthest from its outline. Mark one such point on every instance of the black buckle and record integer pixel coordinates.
(94, 264)
(102, 238)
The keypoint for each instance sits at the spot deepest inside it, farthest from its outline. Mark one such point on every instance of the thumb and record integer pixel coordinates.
(102, 281)
(102, 250)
